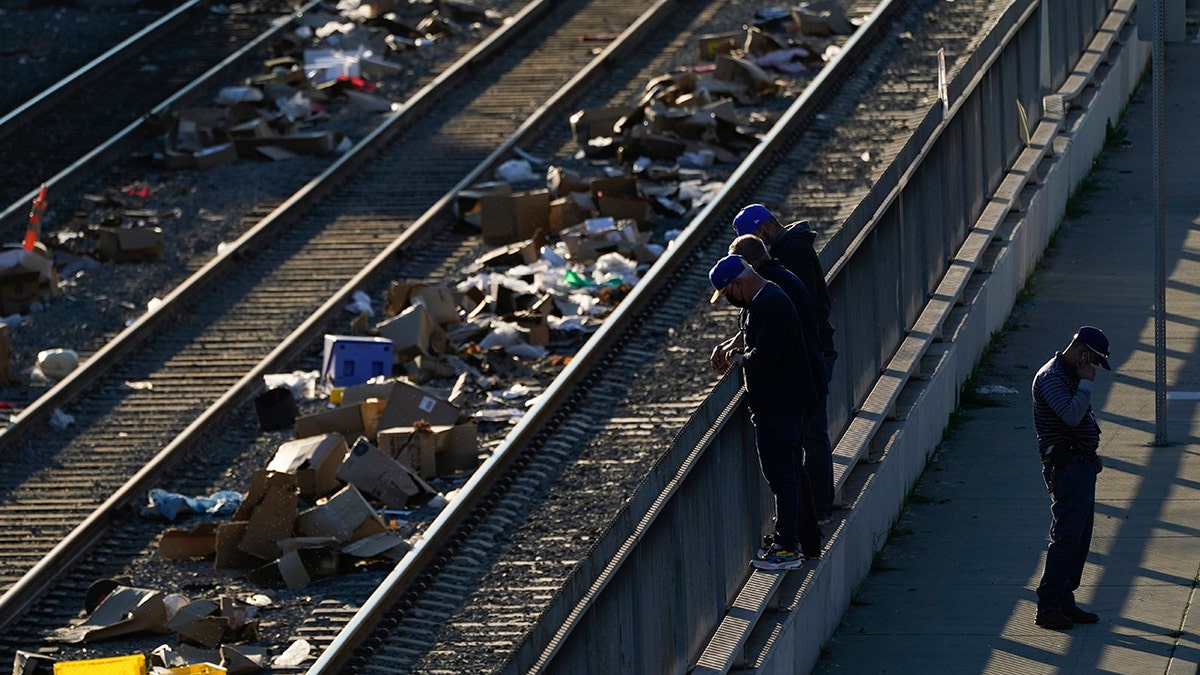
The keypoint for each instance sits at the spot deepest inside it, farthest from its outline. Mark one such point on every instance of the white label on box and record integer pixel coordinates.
(427, 404)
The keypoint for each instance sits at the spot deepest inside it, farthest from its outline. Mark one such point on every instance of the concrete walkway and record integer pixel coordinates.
(953, 592)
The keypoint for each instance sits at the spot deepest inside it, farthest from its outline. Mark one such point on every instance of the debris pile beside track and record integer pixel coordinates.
(518, 314)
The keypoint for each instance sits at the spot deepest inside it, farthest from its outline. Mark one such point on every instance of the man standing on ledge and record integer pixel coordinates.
(1068, 438)
(793, 247)
(780, 387)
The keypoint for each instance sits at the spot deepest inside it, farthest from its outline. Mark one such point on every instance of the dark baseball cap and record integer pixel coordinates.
(724, 272)
(1095, 340)
(749, 219)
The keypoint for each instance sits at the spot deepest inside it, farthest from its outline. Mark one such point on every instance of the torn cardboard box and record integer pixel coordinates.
(123, 611)
(271, 515)
(345, 516)
(385, 479)
(200, 542)
(433, 451)
(513, 217)
(413, 332)
(314, 460)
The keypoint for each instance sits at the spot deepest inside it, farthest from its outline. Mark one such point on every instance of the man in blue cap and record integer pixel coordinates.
(780, 387)
(793, 247)
(1068, 437)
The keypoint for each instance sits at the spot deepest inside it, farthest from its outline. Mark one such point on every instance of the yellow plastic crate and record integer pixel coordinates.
(115, 665)
(198, 669)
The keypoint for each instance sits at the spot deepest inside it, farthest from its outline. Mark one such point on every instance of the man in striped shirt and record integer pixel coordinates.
(1068, 437)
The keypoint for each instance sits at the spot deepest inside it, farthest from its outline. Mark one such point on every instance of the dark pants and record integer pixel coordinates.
(778, 436)
(818, 458)
(1072, 502)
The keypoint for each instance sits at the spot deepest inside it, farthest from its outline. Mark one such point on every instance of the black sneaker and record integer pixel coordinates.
(1077, 615)
(780, 559)
(1053, 619)
(767, 547)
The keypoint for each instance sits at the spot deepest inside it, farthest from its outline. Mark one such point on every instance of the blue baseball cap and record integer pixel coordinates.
(724, 272)
(1096, 341)
(749, 219)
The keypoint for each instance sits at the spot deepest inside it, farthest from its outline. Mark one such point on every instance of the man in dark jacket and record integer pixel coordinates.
(780, 387)
(793, 247)
(818, 452)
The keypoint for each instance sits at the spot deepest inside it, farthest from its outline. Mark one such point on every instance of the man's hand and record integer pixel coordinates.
(1099, 464)
(719, 360)
(1085, 370)
(723, 356)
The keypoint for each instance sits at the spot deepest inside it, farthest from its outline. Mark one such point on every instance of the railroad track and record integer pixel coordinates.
(68, 119)
(642, 393)
(477, 600)
(221, 336)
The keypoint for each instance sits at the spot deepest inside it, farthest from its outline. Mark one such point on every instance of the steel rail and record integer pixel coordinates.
(83, 168)
(54, 93)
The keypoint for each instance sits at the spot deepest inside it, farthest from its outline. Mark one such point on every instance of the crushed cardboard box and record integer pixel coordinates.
(432, 451)
(375, 473)
(314, 460)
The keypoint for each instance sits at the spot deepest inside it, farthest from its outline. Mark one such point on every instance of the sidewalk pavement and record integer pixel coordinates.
(953, 592)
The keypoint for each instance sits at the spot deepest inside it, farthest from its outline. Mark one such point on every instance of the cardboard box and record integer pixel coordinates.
(197, 622)
(19, 292)
(130, 244)
(654, 147)
(598, 236)
(177, 159)
(342, 516)
(440, 450)
(468, 203)
(198, 128)
(440, 301)
(565, 212)
(123, 611)
(513, 217)
(384, 544)
(413, 332)
(229, 535)
(298, 568)
(621, 185)
(380, 476)
(351, 420)
(314, 461)
(592, 122)
(622, 207)
(408, 403)
(273, 504)
(200, 542)
(350, 359)
(562, 181)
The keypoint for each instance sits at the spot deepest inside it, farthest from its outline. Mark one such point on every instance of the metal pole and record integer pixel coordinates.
(1160, 240)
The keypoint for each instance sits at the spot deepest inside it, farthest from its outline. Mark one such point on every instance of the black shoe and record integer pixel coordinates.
(1053, 619)
(1077, 615)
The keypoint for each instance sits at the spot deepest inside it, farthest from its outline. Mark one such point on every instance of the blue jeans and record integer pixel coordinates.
(778, 436)
(1073, 503)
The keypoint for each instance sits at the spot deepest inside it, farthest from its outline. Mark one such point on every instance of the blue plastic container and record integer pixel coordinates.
(353, 360)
